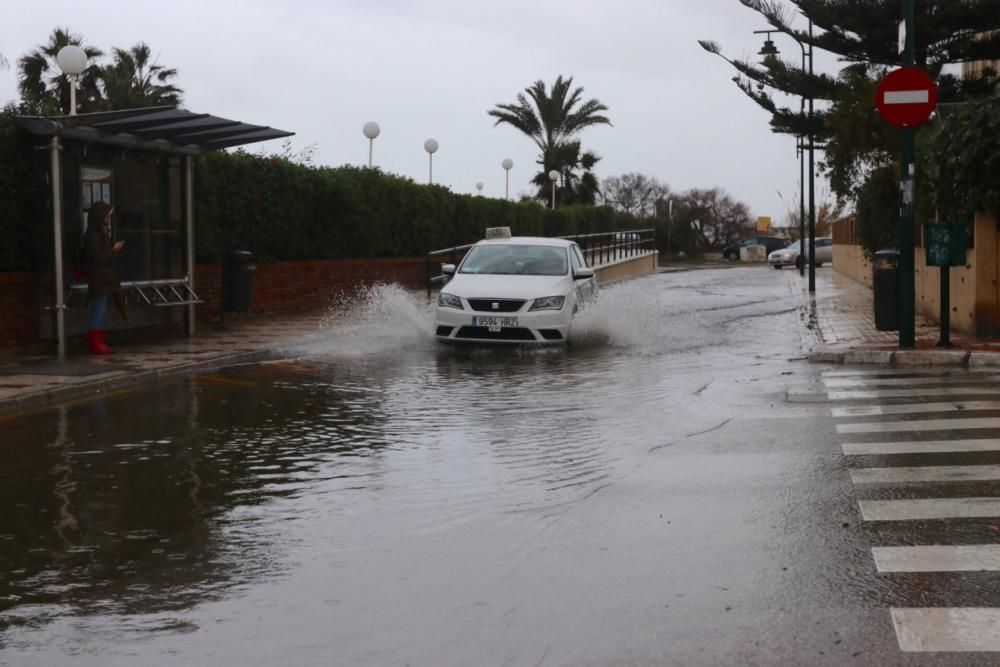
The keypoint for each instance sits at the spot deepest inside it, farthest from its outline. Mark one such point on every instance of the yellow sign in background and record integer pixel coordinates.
(764, 223)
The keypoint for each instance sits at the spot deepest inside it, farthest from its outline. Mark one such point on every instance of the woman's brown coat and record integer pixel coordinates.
(102, 279)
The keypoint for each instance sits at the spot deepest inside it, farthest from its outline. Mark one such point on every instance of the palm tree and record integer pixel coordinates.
(134, 80)
(551, 120)
(577, 183)
(43, 86)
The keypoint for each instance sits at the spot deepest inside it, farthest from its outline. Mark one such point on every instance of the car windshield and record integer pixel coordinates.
(524, 260)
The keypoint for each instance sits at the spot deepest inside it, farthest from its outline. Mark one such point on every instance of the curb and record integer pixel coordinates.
(903, 358)
(120, 380)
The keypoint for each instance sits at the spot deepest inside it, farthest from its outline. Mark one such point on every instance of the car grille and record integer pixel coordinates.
(550, 334)
(503, 305)
(483, 333)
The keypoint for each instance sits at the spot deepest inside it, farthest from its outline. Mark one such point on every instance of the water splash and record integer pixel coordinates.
(643, 316)
(378, 319)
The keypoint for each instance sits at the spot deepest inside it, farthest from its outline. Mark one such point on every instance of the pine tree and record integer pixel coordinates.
(864, 34)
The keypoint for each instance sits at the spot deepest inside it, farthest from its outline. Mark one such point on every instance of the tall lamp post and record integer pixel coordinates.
(770, 50)
(431, 147)
(72, 60)
(371, 130)
(554, 176)
(507, 164)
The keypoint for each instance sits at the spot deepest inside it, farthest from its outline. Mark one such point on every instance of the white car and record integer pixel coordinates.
(514, 290)
(789, 256)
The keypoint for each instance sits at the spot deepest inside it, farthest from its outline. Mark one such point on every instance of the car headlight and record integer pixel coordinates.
(548, 303)
(446, 300)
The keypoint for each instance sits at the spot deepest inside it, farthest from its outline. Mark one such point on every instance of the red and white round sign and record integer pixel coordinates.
(907, 97)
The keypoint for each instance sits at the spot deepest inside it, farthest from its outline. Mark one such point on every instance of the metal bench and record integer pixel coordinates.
(160, 293)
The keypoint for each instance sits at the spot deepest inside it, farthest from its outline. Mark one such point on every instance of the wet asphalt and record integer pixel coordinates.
(668, 490)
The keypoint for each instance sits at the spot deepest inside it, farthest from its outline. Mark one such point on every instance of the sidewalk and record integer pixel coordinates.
(30, 383)
(839, 327)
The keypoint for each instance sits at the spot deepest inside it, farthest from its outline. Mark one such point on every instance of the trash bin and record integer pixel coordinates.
(237, 281)
(885, 286)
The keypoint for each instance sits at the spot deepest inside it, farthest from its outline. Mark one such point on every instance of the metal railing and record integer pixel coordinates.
(598, 249)
(455, 254)
(607, 247)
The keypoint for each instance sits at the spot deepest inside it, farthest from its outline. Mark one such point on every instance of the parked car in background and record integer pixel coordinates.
(770, 243)
(789, 255)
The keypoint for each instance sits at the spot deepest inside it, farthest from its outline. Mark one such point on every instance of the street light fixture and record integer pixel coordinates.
(72, 60)
(431, 147)
(371, 130)
(770, 50)
(507, 164)
(553, 176)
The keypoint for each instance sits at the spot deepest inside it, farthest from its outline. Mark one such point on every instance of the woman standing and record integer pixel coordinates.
(102, 279)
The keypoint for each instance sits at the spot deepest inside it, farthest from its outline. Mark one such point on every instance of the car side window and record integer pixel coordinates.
(576, 258)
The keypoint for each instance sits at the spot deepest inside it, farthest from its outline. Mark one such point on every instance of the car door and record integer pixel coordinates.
(586, 290)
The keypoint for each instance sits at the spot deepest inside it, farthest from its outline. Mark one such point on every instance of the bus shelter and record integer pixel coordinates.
(141, 161)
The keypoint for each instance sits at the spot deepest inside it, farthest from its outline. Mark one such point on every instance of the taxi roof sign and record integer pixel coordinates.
(498, 232)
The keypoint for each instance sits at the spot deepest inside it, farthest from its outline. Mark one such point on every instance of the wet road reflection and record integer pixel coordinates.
(162, 513)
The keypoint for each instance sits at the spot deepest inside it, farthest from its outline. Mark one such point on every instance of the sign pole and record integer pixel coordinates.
(907, 291)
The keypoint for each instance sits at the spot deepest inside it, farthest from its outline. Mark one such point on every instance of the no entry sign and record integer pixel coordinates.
(907, 97)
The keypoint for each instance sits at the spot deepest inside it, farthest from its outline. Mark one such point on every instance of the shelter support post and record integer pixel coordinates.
(59, 307)
(189, 236)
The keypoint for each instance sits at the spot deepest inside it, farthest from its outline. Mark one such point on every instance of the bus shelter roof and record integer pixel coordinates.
(164, 129)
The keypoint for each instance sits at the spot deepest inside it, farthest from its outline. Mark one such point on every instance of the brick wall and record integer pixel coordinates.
(18, 309)
(278, 287)
(285, 287)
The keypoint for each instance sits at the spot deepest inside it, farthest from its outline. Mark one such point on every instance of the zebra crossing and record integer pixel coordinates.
(923, 451)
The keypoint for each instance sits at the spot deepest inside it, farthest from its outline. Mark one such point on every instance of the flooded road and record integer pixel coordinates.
(647, 495)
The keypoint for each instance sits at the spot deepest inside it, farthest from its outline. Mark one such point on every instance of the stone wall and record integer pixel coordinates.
(975, 294)
(631, 267)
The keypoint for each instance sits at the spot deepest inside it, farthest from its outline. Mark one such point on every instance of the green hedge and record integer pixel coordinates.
(281, 210)
(23, 201)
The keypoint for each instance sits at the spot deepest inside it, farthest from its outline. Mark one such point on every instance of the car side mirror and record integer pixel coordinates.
(583, 273)
(448, 269)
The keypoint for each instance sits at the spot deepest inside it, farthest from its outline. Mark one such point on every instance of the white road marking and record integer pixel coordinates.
(872, 383)
(947, 629)
(917, 372)
(907, 97)
(921, 447)
(911, 393)
(913, 408)
(919, 425)
(926, 474)
(929, 508)
(965, 558)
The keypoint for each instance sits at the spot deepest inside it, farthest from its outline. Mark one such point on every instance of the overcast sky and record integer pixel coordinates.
(433, 68)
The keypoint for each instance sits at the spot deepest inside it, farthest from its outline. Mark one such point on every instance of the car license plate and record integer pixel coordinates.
(495, 323)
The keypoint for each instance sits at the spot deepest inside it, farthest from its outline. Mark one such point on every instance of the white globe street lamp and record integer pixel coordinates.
(507, 164)
(554, 176)
(72, 60)
(431, 147)
(479, 187)
(371, 130)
